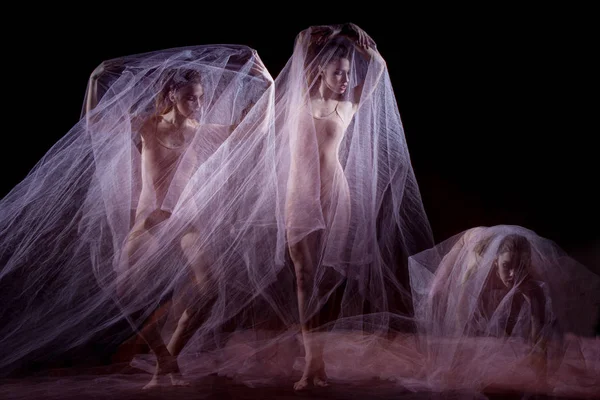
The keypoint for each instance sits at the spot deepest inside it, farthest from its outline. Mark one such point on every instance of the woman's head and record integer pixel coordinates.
(333, 66)
(182, 92)
(513, 259)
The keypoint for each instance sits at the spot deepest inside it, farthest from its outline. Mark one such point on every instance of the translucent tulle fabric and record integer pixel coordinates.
(502, 307)
(267, 191)
(474, 336)
(351, 197)
(349, 202)
(349, 209)
(72, 284)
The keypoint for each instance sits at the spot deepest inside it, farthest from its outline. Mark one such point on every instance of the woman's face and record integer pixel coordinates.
(336, 75)
(188, 100)
(509, 267)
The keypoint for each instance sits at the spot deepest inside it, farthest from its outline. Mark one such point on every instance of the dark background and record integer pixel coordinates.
(496, 103)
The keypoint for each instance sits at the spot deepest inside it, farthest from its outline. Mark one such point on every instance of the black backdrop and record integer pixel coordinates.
(496, 103)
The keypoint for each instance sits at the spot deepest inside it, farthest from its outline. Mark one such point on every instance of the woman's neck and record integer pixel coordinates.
(324, 93)
(176, 119)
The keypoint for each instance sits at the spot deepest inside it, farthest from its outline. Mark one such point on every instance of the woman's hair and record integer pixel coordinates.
(520, 247)
(320, 55)
(174, 80)
(515, 243)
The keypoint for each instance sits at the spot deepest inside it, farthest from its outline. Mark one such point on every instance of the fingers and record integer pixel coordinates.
(320, 33)
(362, 39)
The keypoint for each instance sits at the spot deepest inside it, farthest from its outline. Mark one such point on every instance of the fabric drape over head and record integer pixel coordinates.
(351, 195)
(130, 209)
(504, 307)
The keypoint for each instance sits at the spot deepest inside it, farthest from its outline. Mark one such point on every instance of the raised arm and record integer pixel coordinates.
(97, 83)
(258, 113)
(91, 96)
(366, 46)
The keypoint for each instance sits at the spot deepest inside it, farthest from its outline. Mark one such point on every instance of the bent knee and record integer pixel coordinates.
(190, 240)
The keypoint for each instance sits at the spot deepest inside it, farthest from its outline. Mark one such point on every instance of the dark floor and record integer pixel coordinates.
(127, 384)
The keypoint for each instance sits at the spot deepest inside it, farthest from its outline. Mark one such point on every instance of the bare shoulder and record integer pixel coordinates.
(347, 109)
(216, 128)
(192, 123)
(148, 126)
(347, 105)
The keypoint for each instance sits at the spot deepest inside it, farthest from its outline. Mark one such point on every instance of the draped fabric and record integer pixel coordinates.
(162, 197)
(504, 307)
(270, 231)
(351, 198)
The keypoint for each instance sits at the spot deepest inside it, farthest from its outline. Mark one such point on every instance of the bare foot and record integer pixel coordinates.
(301, 384)
(166, 367)
(321, 380)
(315, 370)
(177, 380)
(174, 379)
(154, 382)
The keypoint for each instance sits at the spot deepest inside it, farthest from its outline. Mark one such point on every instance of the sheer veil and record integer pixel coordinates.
(348, 200)
(365, 214)
(503, 307)
(271, 229)
(71, 280)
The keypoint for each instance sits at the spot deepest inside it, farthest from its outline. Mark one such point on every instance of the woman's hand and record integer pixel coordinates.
(321, 34)
(361, 37)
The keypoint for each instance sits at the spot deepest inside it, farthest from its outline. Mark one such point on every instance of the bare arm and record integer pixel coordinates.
(535, 297)
(257, 115)
(96, 81)
(366, 46)
(91, 96)
(363, 43)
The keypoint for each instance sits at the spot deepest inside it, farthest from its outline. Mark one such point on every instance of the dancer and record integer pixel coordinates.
(353, 211)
